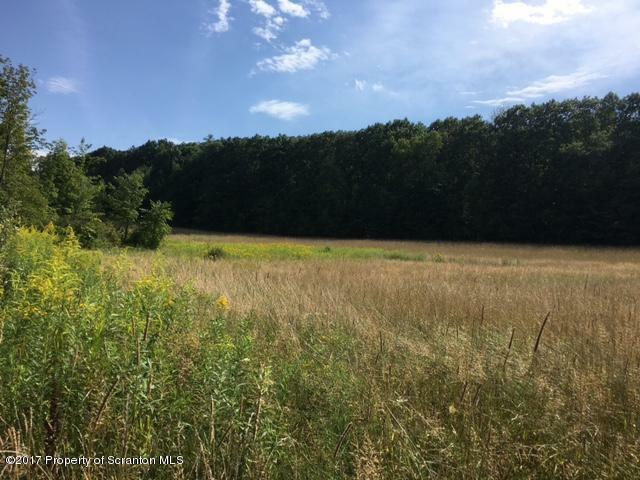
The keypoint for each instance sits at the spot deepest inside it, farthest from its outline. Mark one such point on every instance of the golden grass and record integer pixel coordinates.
(516, 285)
(469, 361)
(460, 313)
(592, 303)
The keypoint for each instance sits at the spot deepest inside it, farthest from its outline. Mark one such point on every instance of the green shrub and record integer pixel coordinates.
(216, 253)
(153, 226)
(99, 234)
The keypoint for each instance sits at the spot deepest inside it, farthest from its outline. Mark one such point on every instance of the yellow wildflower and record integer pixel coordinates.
(223, 302)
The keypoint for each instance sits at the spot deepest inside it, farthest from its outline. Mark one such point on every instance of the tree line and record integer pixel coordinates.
(555, 172)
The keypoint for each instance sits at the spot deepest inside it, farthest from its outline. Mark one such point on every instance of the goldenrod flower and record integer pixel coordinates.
(223, 302)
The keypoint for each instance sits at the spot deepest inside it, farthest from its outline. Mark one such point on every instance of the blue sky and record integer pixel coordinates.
(121, 72)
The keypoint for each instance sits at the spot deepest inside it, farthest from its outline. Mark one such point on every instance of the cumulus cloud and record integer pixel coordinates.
(221, 25)
(274, 18)
(62, 85)
(281, 110)
(320, 8)
(274, 23)
(548, 13)
(271, 28)
(302, 56)
(293, 9)
(261, 7)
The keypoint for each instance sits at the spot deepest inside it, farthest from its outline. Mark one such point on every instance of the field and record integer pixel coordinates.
(318, 359)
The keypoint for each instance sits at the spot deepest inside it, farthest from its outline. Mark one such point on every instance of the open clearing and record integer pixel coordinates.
(425, 362)
(275, 358)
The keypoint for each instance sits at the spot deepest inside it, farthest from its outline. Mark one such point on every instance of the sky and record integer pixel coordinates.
(122, 72)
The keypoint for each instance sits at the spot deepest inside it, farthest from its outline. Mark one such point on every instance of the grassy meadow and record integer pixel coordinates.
(276, 358)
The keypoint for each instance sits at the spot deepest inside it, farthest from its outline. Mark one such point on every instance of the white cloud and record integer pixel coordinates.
(261, 7)
(550, 85)
(360, 84)
(556, 83)
(274, 22)
(274, 19)
(499, 102)
(293, 9)
(271, 29)
(302, 56)
(280, 110)
(548, 13)
(377, 87)
(62, 85)
(389, 42)
(320, 8)
(222, 14)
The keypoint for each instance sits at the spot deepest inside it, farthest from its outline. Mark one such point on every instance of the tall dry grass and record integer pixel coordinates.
(485, 361)
(429, 369)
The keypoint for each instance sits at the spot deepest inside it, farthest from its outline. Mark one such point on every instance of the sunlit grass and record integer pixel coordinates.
(428, 370)
(286, 359)
(282, 251)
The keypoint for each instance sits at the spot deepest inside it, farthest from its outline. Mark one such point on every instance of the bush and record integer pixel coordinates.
(216, 253)
(154, 226)
(99, 234)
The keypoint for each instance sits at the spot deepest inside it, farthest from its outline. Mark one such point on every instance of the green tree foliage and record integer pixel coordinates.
(153, 225)
(70, 193)
(19, 139)
(57, 187)
(123, 201)
(557, 172)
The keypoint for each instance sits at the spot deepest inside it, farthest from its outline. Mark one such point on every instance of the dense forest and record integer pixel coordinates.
(557, 172)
